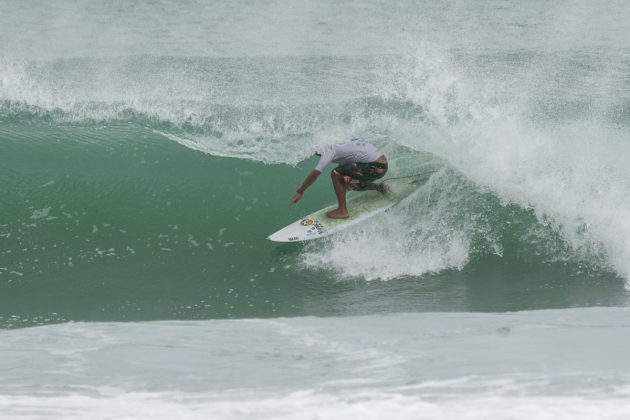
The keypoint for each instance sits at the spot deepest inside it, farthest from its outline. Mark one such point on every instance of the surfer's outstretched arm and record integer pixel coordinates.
(307, 183)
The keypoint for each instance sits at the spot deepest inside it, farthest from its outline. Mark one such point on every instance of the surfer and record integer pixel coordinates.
(359, 164)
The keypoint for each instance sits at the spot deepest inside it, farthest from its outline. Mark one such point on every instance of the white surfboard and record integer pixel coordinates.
(361, 207)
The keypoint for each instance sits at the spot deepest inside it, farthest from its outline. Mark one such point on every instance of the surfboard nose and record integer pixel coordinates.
(282, 236)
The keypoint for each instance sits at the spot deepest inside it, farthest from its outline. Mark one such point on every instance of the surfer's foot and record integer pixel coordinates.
(337, 214)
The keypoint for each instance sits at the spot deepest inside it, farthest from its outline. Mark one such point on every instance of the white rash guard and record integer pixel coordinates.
(342, 154)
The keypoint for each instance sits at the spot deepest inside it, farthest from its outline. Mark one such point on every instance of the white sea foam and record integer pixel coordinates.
(415, 238)
(573, 175)
(307, 405)
(41, 213)
(518, 365)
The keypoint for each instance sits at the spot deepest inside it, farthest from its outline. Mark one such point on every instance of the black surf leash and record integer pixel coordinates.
(404, 177)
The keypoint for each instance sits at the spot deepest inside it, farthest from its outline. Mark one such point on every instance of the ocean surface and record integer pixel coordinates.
(148, 148)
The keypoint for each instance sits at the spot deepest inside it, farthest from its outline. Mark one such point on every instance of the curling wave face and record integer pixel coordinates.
(429, 113)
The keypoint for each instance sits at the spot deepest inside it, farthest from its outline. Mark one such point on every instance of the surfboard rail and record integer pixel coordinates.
(361, 207)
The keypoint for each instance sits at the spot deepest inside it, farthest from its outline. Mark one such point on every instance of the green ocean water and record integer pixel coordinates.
(119, 223)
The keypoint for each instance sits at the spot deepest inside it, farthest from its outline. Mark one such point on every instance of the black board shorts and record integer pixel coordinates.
(362, 174)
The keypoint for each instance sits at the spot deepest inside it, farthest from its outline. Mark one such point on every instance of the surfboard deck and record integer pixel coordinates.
(361, 207)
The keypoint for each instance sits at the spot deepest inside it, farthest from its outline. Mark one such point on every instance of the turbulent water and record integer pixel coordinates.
(147, 149)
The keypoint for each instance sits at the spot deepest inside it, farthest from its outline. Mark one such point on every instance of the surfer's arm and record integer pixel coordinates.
(307, 183)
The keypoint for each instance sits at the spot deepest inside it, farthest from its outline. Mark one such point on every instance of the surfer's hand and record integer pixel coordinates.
(295, 198)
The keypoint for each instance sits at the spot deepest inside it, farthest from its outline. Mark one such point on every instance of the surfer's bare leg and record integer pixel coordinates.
(340, 191)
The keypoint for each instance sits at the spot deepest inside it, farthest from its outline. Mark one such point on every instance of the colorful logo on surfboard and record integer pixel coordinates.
(306, 222)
